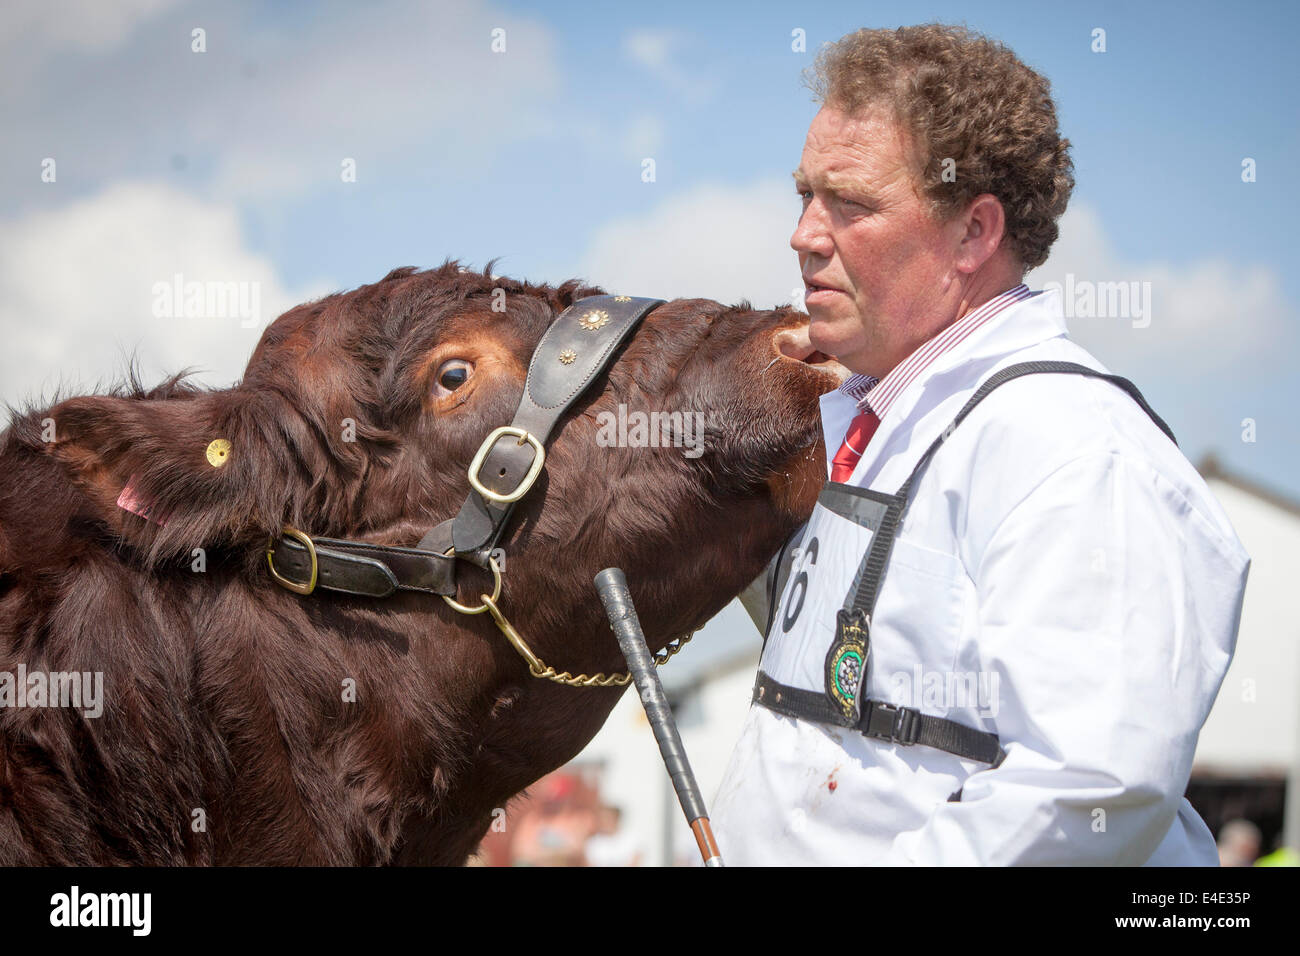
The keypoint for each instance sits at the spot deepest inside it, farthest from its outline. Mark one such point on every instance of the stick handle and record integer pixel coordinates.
(614, 594)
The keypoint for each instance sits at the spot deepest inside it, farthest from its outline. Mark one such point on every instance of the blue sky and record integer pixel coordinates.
(225, 164)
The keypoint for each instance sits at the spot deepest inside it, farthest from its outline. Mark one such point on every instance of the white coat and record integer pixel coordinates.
(1063, 579)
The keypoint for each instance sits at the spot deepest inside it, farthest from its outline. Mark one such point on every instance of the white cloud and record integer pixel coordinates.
(32, 30)
(1208, 315)
(643, 136)
(658, 52)
(275, 104)
(650, 48)
(375, 87)
(77, 290)
(717, 242)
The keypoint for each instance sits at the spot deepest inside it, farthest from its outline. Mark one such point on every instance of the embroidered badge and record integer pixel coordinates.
(846, 661)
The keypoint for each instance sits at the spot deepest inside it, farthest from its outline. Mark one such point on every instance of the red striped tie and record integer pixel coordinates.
(855, 443)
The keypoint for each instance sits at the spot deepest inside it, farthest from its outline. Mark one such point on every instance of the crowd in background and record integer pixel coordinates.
(560, 821)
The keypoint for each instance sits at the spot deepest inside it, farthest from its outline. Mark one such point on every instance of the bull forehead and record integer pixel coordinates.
(352, 327)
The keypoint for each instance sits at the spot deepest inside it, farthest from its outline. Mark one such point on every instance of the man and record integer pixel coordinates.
(1239, 842)
(1001, 632)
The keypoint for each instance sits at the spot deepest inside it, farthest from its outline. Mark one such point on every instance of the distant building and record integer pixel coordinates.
(1248, 756)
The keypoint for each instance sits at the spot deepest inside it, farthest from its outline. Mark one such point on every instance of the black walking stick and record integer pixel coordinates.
(616, 597)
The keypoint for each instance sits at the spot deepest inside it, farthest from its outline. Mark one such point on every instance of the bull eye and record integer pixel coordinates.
(452, 374)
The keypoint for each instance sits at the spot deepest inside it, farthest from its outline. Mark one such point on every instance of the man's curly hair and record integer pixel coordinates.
(967, 98)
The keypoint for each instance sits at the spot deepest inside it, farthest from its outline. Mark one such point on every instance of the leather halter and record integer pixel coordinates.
(575, 350)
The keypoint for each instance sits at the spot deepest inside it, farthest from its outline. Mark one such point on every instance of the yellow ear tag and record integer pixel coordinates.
(218, 452)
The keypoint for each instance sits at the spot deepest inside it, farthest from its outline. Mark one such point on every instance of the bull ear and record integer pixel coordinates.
(165, 474)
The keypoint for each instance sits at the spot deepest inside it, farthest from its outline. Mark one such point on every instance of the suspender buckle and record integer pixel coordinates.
(900, 725)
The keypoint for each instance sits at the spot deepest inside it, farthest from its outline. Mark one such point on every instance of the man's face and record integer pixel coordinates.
(878, 270)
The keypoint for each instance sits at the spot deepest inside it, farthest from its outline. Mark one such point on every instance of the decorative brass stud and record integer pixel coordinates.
(593, 320)
(622, 298)
(218, 452)
(568, 356)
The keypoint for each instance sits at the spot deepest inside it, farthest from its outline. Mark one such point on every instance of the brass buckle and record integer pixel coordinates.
(534, 470)
(307, 543)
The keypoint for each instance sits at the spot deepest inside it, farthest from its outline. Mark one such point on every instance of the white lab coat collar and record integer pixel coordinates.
(1021, 325)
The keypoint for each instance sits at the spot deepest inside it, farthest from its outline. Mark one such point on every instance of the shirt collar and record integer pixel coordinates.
(857, 386)
(877, 395)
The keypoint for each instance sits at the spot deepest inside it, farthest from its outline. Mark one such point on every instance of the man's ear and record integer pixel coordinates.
(985, 224)
(167, 474)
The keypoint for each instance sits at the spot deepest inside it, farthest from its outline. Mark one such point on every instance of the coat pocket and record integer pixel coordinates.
(917, 630)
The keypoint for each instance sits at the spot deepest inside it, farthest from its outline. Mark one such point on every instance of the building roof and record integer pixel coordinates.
(1211, 468)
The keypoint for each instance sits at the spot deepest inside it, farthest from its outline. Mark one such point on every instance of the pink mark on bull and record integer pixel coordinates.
(130, 500)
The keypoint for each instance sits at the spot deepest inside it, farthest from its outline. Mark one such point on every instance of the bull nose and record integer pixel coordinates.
(793, 343)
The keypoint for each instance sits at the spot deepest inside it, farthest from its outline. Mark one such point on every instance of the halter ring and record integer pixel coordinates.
(496, 590)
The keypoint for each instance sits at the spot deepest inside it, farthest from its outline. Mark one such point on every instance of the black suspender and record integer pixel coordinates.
(879, 719)
(1030, 368)
(883, 721)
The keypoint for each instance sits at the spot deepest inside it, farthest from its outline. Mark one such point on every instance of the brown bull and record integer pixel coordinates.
(242, 723)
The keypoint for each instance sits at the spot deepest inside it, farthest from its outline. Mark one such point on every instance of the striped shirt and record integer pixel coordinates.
(876, 395)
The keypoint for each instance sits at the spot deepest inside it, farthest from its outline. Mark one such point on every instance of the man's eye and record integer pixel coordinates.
(452, 374)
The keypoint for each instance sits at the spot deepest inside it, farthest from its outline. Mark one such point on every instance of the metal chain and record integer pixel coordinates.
(539, 668)
(536, 666)
(611, 680)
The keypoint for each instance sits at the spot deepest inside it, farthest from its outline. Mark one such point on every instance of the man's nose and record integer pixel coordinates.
(811, 235)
